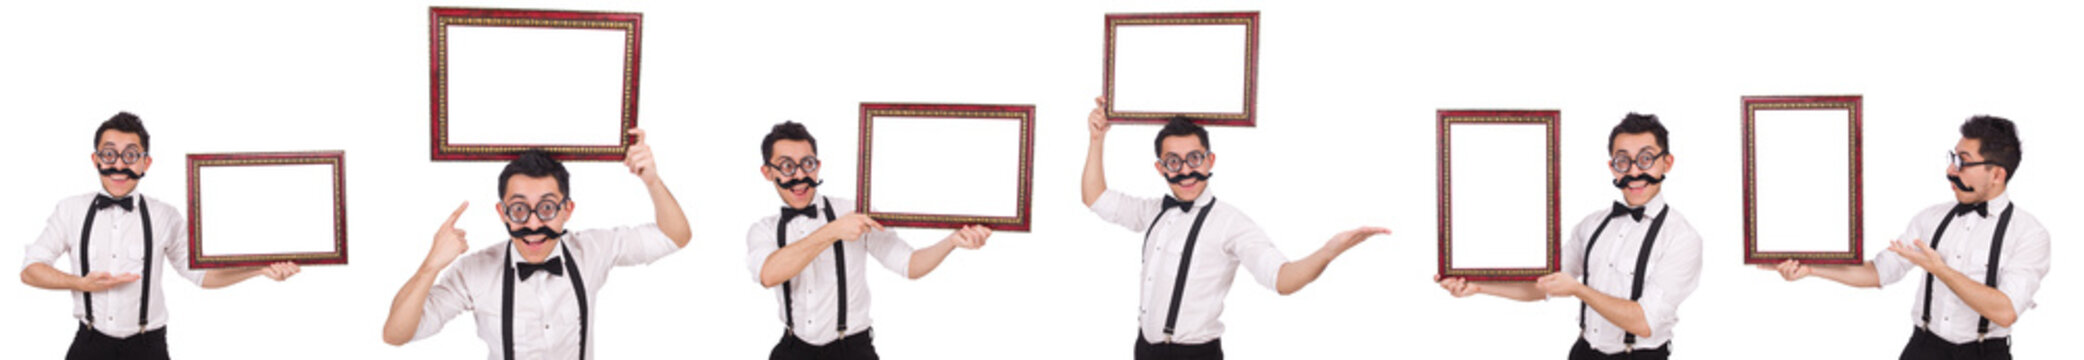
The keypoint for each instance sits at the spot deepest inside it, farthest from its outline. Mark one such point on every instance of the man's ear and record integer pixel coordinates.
(144, 165)
(1998, 174)
(1670, 161)
(1159, 166)
(1211, 162)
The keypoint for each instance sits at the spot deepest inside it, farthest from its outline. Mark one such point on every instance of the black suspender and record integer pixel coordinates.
(1186, 259)
(87, 232)
(1937, 234)
(144, 305)
(839, 256)
(2004, 221)
(506, 310)
(839, 263)
(1642, 267)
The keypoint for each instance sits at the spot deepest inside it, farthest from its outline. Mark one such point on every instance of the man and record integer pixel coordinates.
(114, 234)
(1192, 244)
(1639, 259)
(533, 294)
(814, 252)
(1983, 258)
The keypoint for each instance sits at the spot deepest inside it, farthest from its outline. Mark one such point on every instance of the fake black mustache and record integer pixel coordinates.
(545, 231)
(791, 184)
(1959, 185)
(1622, 183)
(112, 171)
(1176, 179)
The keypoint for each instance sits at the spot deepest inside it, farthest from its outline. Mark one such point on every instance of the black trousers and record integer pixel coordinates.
(88, 344)
(1583, 351)
(857, 347)
(1145, 350)
(1926, 345)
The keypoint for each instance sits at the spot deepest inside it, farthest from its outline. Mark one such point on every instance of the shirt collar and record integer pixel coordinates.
(514, 252)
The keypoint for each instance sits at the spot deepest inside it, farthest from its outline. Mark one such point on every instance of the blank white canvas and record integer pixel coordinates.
(1802, 163)
(1188, 68)
(534, 86)
(945, 166)
(267, 209)
(1500, 195)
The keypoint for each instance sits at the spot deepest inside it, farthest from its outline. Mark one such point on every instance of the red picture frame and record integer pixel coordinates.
(1246, 118)
(1854, 238)
(441, 18)
(197, 260)
(1023, 216)
(1552, 120)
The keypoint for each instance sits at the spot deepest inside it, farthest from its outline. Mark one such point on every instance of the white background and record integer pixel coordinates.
(514, 85)
(1802, 161)
(266, 209)
(943, 166)
(1182, 68)
(1501, 192)
(1348, 90)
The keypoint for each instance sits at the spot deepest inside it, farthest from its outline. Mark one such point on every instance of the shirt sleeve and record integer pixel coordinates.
(1675, 275)
(2020, 274)
(638, 245)
(759, 243)
(449, 297)
(1130, 212)
(52, 243)
(889, 250)
(1256, 252)
(176, 250)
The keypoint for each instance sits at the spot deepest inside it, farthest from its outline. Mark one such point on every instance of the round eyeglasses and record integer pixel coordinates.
(1194, 159)
(546, 210)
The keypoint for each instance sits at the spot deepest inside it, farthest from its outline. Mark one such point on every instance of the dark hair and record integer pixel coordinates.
(125, 122)
(1641, 123)
(787, 130)
(2000, 140)
(535, 163)
(1179, 126)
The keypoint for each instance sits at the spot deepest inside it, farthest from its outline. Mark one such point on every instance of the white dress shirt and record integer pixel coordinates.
(815, 289)
(546, 314)
(1672, 274)
(1228, 239)
(117, 247)
(1966, 248)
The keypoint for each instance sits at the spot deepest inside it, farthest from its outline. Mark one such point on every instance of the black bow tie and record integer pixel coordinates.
(1980, 209)
(1175, 203)
(1620, 209)
(103, 202)
(807, 212)
(555, 267)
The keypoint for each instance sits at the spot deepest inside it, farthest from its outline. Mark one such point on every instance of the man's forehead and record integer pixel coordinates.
(792, 148)
(526, 187)
(1634, 141)
(117, 138)
(1182, 144)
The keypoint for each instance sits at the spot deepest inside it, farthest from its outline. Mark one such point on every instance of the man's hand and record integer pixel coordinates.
(102, 280)
(1096, 123)
(1918, 253)
(970, 237)
(448, 242)
(639, 159)
(1559, 284)
(1790, 270)
(851, 226)
(1458, 287)
(281, 270)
